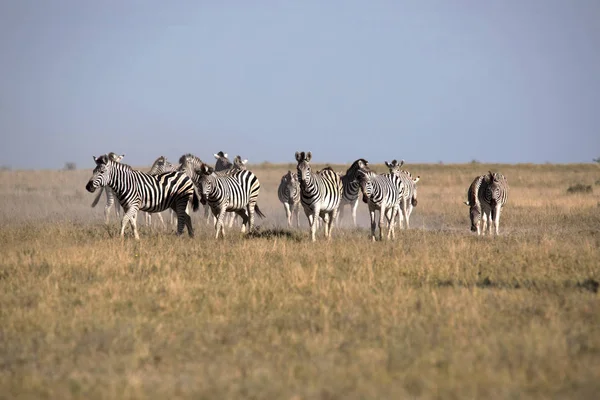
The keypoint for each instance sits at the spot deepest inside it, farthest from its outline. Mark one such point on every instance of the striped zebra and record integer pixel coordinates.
(160, 166)
(409, 197)
(486, 197)
(137, 190)
(320, 194)
(222, 163)
(352, 188)
(189, 163)
(289, 194)
(110, 197)
(382, 193)
(236, 191)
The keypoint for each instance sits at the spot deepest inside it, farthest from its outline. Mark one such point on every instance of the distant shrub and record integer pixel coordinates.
(70, 166)
(580, 188)
(5, 168)
(474, 161)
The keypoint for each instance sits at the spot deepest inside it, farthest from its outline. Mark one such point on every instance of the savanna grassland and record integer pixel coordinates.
(437, 313)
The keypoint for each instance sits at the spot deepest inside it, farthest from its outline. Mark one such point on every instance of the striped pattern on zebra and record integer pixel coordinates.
(486, 197)
(222, 163)
(352, 188)
(320, 194)
(237, 191)
(110, 197)
(382, 193)
(136, 190)
(289, 194)
(160, 166)
(409, 198)
(189, 163)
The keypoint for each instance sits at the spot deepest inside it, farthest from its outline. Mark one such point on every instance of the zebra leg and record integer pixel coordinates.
(496, 218)
(409, 208)
(207, 214)
(109, 203)
(219, 216)
(373, 224)
(288, 213)
(183, 217)
(390, 214)
(162, 221)
(297, 217)
(244, 215)
(313, 224)
(251, 207)
(483, 224)
(327, 225)
(130, 216)
(381, 221)
(354, 208)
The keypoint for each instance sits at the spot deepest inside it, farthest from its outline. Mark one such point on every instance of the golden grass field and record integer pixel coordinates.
(437, 313)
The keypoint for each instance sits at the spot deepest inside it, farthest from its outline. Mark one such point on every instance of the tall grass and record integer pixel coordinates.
(438, 313)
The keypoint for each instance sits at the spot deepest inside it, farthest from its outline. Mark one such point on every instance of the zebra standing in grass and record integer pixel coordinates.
(160, 166)
(137, 190)
(110, 197)
(320, 194)
(289, 194)
(382, 193)
(486, 197)
(236, 191)
(409, 197)
(351, 188)
(189, 163)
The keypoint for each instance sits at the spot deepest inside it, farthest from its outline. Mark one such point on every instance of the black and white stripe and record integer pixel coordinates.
(222, 163)
(236, 191)
(409, 197)
(110, 197)
(320, 194)
(138, 190)
(289, 194)
(486, 197)
(382, 193)
(160, 166)
(352, 188)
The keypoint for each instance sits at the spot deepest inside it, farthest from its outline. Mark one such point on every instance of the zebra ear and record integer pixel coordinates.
(299, 156)
(244, 162)
(225, 155)
(308, 156)
(389, 165)
(216, 156)
(401, 163)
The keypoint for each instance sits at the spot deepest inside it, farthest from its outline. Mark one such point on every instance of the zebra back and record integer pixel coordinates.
(381, 190)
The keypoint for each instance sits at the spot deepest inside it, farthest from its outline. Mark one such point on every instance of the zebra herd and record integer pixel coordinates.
(229, 187)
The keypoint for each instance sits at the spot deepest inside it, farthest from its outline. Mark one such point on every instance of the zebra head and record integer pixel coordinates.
(161, 165)
(239, 164)
(102, 173)
(395, 167)
(222, 163)
(206, 181)
(360, 164)
(304, 172)
(189, 163)
(291, 182)
(366, 186)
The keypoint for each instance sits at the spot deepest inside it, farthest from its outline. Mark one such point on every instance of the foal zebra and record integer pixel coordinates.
(382, 193)
(320, 194)
(409, 197)
(289, 194)
(351, 188)
(110, 197)
(160, 166)
(486, 197)
(137, 190)
(236, 191)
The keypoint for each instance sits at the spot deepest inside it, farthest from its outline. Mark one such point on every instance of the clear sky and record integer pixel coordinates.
(423, 80)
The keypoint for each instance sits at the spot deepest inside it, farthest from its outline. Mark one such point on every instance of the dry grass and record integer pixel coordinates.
(438, 313)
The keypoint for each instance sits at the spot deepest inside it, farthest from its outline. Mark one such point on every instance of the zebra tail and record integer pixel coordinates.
(258, 212)
(98, 197)
(195, 201)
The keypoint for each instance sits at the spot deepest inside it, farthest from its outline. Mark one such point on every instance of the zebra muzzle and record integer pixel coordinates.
(90, 187)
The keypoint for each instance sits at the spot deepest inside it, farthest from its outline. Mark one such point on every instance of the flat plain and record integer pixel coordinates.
(437, 313)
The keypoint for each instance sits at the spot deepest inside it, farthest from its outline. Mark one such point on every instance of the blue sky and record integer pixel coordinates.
(427, 81)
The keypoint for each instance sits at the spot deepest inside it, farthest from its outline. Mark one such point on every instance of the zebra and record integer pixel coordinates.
(485, 197)
(110, 197)
(189, 163)
(409, 197)
(160, 166)
(351, 188)
(137, 190)
(289, 194)
(382, 193)
(222, 163)
(236, 191)
(320, 194)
